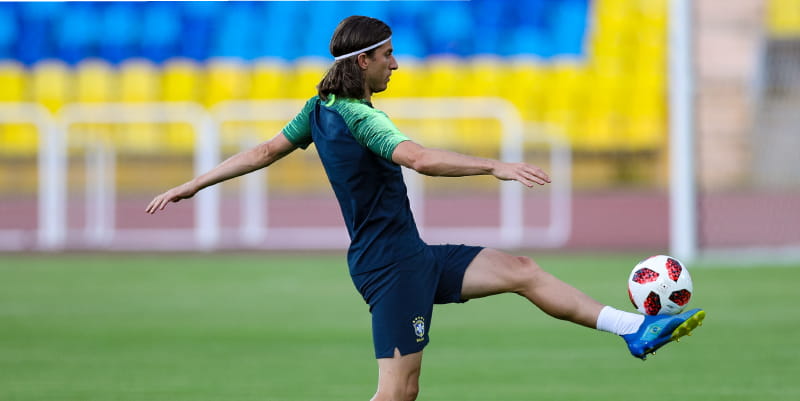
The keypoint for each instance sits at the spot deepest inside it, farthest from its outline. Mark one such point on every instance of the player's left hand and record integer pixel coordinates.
(526, 174)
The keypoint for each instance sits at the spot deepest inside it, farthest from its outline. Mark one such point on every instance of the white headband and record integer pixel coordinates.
(366, 49)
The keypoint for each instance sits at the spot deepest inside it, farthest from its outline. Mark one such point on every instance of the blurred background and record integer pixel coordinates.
(105, 104)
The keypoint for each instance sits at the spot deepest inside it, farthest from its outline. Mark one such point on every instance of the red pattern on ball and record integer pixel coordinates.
(652, 304)
(644, 275)
(681, 297)
(674, 268)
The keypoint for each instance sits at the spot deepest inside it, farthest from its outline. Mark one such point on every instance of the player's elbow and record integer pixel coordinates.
(424, 163)
(418, 158)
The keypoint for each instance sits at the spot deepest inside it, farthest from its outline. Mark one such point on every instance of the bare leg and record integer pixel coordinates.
(494, 272)
(398, 377)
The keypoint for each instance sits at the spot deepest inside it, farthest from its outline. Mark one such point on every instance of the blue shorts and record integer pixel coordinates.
(401, 295)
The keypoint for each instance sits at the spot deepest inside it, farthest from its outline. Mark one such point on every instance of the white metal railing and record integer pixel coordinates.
(49, 216)
(100, 231)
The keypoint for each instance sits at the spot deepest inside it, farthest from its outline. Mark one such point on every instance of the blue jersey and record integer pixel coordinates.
(355, 143)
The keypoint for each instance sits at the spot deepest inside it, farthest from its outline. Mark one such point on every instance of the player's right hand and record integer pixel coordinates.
(184, 191)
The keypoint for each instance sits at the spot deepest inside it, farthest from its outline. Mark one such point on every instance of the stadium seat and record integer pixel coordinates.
(160, 31)
(12, 81)
(446, 76)
(77, 32)
(199, 19)
(139, 81)
(783, 18)
(307, 73)
(50, 84)
(120, 31)
(278, 20)
(485, 76)
(8, 31)
(15, 139)
(565, 86)
(646, 111)
(271, 78)
(526, 86)
(225, 79)
(450, 29)
(181, 80)
(236, 31)
(407, 80)
(37, 20)
(95, 81)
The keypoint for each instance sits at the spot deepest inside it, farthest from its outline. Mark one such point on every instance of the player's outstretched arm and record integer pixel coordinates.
(438, 162)
(257, 157)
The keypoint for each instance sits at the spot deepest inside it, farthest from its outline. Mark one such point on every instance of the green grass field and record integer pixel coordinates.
(282, 327)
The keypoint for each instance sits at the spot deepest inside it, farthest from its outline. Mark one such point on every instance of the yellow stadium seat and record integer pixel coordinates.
(783, 18)
(139, 81)
(561, 99)
(647, 110)
(12, 81)
(226, 79)
(305, 76)
(95, 81)
(406, 80)
(271, 79)
(446, 77)
(485, 76)
(51, 84)
(527, 86)
(15, 139)
(181, 81)
(18, 140)
(601, 129)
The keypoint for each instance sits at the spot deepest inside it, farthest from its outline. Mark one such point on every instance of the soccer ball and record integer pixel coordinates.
(660, 285)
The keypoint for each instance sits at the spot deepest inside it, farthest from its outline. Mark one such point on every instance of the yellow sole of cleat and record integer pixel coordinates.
(685, 329)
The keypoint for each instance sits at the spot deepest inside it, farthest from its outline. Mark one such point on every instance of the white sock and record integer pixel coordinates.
(618, 322)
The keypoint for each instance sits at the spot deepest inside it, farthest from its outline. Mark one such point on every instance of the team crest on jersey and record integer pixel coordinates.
(419, 327)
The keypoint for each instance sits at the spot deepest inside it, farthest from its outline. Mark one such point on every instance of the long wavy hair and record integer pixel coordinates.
(345, 78)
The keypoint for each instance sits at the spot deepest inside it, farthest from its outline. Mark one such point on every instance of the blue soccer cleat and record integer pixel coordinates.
(656, 331)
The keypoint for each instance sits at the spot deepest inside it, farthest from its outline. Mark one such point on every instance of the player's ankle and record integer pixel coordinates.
(618, 322)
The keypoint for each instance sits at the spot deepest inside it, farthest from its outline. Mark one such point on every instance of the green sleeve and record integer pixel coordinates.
(298, 131)
(373, 129)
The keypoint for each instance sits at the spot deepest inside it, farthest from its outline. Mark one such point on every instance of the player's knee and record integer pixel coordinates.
(524, 272)
(412, 391)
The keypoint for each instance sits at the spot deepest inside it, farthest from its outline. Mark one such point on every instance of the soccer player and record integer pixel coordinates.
(400, 276)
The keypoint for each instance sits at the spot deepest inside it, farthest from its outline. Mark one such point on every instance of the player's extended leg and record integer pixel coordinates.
(494, 272)
(398, 377)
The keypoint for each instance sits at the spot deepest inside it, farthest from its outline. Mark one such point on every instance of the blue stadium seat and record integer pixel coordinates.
(120, 31)
(77, 32)
(8, 30)
(37, 22)
(490, 18)
(407, 36)
(449, 28)
(278, 36)
(236, 31)
(160, 31)
(319, 23)
(569, 32)
(197, 29)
